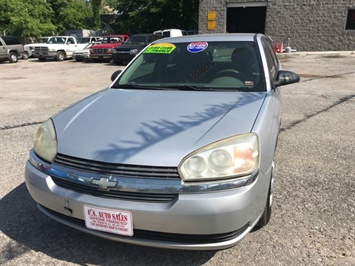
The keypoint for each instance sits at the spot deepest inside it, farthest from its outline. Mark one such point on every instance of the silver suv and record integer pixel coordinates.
(10, 49)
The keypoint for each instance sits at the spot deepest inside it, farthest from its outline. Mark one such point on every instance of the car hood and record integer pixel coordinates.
(84, 51)
(131, 46)
(41, 44)
(34, 44)
(105, 45)
(152, 127)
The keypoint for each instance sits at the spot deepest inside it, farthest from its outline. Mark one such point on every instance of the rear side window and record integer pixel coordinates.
(11, 40)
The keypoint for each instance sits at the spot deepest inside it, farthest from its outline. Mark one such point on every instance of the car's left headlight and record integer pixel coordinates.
(228, 158)
(45, 144)
(133, 51)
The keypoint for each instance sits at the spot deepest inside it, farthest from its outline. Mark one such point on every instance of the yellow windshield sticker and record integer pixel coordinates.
(160, 48)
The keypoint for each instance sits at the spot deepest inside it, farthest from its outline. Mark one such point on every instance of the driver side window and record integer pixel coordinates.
(271, 59)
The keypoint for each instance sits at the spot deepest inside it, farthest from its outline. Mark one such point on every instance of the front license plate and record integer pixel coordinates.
(108, 220)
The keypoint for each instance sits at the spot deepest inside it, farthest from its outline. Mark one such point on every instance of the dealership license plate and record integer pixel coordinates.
(108, 220)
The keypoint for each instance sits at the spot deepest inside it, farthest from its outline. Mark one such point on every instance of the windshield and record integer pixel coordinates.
(111, 40)
(90, 44)
(56, 40)
(196, 66)
(137, 40)
(84, 40)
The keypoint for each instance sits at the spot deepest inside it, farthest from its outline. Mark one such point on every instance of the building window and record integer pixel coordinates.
(350, 21)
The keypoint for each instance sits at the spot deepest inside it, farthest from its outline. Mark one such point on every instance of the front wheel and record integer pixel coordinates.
(25, 55)
(265, 218)
(13, 57)
(60, 56)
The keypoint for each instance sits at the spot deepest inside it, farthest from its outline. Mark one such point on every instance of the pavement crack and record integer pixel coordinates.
(338, 102)
(6, 127)
(316, 77)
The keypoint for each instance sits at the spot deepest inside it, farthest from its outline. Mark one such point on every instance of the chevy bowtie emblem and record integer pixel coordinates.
(104, 182)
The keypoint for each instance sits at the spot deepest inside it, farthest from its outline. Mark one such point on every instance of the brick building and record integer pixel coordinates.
(306, 25)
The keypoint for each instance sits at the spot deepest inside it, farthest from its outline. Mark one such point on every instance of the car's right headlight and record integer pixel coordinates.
(45, 143)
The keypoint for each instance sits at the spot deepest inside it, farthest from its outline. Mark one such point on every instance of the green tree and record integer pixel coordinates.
(19, 18)
(96, 7)
(71, 14)
(149, 15)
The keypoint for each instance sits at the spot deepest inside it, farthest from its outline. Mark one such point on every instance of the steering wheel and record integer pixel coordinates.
(230, 73)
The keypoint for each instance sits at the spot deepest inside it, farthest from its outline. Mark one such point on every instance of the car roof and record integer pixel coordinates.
(211, 37)
(143, 34)
(60, 36)
(115, 35)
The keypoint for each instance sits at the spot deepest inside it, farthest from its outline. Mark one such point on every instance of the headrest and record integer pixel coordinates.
(241, 55)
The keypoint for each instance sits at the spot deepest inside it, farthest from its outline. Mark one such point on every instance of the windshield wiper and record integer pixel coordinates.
(137, 86)
(183, 87)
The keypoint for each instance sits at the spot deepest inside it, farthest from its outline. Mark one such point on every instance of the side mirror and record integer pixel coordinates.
(115, 74)
(285, 77)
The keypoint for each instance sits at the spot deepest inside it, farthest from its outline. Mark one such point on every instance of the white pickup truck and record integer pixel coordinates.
(57, 47)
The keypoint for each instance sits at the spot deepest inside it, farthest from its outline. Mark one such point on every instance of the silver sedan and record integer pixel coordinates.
(178, 152)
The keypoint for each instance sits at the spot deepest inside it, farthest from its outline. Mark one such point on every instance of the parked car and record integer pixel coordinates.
(104, 50)
(29, 48)
(170, 32)
(10, 49)
(128, 50)
(84, 53)
(58, 48)
(177, 153)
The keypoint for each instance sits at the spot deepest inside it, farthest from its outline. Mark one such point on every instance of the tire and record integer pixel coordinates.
(266, 216)
(25, 55)
(13, 57)
(41, 59)
(60, 56)
(79, 60)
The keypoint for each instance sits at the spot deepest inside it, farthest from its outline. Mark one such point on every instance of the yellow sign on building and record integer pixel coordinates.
(211, 25)
(211, 15)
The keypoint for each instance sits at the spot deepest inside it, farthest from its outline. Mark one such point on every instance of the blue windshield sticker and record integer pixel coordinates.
(196, 47)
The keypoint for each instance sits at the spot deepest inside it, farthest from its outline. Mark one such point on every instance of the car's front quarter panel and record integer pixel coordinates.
(267, 126)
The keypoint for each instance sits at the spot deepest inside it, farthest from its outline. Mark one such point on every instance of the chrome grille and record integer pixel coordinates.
(123, 170)
(116, 194)
(99, 51)
(41, 49)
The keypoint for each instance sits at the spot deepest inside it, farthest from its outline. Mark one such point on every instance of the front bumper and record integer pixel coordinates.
(208, 219)
(45, 54)
(123, 57)
(81, 56)
(101, 56)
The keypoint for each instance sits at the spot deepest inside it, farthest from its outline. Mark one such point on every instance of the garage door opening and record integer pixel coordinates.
(246, 19)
